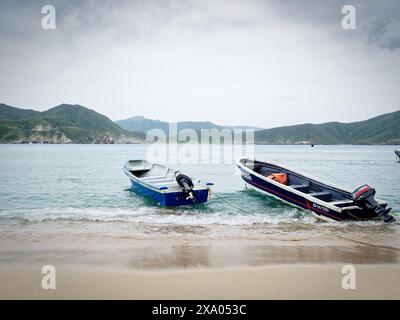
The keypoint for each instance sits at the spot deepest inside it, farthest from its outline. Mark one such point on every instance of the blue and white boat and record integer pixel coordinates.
(164, 185)
(397, 153)
(326, 201)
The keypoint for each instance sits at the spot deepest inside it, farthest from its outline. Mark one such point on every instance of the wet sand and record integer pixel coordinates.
(166, 253)
(167, 268)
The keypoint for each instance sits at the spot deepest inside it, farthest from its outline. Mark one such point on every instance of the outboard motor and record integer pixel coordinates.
(186, 184)
(364, 197)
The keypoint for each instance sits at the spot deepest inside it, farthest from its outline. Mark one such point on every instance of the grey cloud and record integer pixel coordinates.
(377, 21)
(385, 33)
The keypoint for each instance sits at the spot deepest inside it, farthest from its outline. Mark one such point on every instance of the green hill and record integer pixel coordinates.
(62, 124)
(384, 129)
(12, 113)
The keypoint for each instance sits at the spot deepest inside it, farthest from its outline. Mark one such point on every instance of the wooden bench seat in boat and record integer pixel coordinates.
(323, 195)
(341, 203)
(158, 181)
(300, 187)
(150, 178)
(166, 184)
(154, 178)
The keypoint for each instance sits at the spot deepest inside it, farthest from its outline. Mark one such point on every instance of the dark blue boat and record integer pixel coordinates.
(325, 200)
(164, 185)
(397, 153)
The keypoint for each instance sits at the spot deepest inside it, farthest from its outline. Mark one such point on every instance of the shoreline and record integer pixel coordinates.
(167, 253)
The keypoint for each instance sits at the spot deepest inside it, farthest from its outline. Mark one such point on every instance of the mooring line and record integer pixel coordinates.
(370, 244)
(230, 204)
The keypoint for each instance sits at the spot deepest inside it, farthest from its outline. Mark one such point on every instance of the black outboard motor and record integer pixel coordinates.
(186, 184)
(364, 197)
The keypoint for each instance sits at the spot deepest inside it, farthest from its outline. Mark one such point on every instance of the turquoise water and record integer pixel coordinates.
(82, 188)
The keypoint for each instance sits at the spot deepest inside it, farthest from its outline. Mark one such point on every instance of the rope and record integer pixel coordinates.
(230, 204)
(370, 244)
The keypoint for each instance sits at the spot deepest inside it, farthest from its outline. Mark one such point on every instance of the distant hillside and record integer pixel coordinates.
(12, 113)
(384, 129)
(142, 124)
(62, 124)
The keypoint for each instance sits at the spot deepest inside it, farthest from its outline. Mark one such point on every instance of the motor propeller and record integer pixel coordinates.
(364, 197)
(186, 184)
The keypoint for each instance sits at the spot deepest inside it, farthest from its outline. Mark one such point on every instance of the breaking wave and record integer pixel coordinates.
(165, 216)
(153, 216)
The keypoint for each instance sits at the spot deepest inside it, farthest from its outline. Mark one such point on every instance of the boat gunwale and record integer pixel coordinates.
(323, 217)
(327, 183)
(142, 183)
(297, 192)
(199, 186)
(287, 188)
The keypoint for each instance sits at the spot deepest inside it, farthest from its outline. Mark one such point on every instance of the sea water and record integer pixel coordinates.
(82, 190)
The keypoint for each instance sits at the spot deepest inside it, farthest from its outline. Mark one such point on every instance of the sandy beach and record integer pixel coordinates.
(196, 269)
(268, 282)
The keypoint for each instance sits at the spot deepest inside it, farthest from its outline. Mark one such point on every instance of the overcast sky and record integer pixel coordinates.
(263, 63)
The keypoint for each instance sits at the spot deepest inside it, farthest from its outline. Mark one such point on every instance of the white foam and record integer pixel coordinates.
(163, 216)
(152, 216)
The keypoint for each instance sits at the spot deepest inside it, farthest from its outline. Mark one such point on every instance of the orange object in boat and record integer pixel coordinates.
(279, 177)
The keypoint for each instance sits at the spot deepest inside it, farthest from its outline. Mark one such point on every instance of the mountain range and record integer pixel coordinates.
(76, 124)
(142, 124)
(383, 129)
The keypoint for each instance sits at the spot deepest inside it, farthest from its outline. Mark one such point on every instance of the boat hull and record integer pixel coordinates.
(164, 198)
(318, 208)
(321, 212)
(158, 182)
